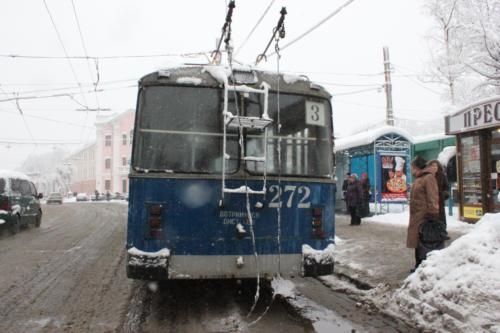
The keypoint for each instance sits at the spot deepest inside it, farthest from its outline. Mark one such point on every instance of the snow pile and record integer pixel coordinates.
(291, 79)
(163, 253)
(189, 81)
(447, 154)
(457, 289)
(219, 73)
(283, 287)
(402, 219)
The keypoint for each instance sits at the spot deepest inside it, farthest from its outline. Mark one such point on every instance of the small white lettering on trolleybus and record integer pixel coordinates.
(234, 217)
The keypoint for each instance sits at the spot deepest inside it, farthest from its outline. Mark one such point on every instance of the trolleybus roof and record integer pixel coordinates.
(212, 76)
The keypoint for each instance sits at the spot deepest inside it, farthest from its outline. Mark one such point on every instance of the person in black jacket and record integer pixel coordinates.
(365, 186)
(443, 187)
(344, 186)
(354, 199)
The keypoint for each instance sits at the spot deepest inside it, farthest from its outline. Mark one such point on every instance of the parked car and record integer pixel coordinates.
(54, 198)
(19, 201)
(96, 196)
(82, 197)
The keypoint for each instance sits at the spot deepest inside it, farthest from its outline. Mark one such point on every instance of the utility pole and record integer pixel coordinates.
(388, 87)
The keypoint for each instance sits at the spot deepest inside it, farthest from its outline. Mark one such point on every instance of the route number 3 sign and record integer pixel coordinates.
(315, 113)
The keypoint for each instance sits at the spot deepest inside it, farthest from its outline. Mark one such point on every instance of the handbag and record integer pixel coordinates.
(433, 231)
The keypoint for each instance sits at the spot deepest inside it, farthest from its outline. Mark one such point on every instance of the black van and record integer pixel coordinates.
(19, 201)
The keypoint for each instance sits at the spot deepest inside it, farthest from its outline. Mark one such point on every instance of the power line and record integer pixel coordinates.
(43, 97)
(86, 54)
(69, 88)
(18, 107)
(25, 124)
(333, 73)
(90, 71)
(348, 2)
(341, 101)
(69, 95)
(46, 57)
(48, 119)
(255, 27)
(16, 142)
(63, 83)
(420, 84)
(357, 91)
(64, 48)
(348, 85)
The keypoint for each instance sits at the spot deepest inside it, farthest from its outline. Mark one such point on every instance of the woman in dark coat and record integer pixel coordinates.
(354, 199)
(424, 203)
(365, 186)
(443, 187)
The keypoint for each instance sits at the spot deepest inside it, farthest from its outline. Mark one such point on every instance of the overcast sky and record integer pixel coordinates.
(344, 54)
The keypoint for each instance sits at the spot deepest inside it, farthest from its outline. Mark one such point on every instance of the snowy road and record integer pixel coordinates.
(69, 276)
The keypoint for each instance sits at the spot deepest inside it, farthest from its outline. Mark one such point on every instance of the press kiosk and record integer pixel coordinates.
(477, 129)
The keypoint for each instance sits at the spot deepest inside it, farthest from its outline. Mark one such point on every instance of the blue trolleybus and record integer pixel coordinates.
(231, 176)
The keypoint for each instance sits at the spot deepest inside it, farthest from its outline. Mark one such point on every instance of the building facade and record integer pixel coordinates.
(113, 151)
(79, 169)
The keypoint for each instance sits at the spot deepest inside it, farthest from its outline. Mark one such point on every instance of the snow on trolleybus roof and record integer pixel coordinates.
(218, 75)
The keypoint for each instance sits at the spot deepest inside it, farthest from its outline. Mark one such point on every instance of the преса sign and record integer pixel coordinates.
(480, 115)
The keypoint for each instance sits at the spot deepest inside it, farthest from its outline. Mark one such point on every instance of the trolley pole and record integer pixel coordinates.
(388, 87)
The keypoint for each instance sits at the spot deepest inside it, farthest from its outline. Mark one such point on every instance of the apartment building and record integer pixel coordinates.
(112, 151)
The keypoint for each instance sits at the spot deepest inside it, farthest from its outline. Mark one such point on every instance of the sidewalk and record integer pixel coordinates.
(455, 290)
(374, 253)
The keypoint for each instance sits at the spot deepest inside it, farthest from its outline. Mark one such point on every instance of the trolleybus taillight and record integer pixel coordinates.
(154, 220)
(317, 223)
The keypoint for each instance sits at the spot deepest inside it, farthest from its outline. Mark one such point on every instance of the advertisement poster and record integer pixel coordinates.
(473, 212)
(393, 177)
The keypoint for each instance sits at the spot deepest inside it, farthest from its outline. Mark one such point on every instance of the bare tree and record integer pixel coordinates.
(445, 45)
(484, 18)
(44, 166)
(465, 47)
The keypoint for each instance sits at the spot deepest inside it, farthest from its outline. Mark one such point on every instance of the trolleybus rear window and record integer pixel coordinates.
(304, 137)
(180, 130)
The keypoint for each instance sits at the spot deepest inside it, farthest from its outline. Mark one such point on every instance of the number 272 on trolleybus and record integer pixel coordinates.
(231, 176)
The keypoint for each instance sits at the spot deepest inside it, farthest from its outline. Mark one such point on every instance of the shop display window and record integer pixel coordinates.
(495, 170)
(471, 187)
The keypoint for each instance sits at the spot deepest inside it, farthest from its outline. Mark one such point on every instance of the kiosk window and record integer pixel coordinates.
(495, 171)
(471, 186)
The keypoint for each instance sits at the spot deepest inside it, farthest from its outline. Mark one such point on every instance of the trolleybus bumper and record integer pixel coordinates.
(317, 269)
(317, 262)
(147, 265)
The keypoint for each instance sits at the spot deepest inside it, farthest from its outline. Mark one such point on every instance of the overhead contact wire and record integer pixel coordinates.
(335, 12)
(255, 27)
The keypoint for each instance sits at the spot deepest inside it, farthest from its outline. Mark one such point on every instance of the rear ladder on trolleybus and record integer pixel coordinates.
(240, 122)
